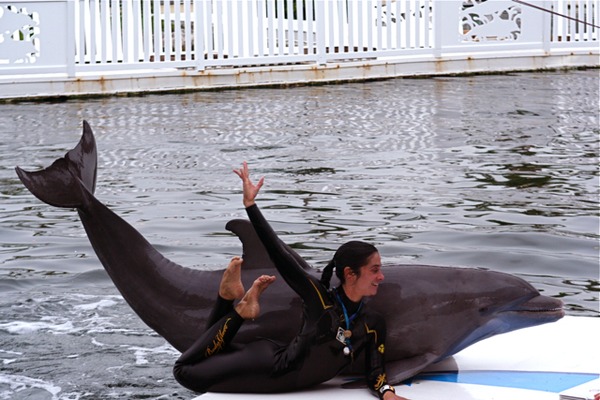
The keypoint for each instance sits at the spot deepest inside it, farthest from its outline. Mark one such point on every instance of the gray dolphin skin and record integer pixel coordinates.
(431, 312)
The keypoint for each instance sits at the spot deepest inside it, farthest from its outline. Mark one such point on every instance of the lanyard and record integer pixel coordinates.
(347, 333)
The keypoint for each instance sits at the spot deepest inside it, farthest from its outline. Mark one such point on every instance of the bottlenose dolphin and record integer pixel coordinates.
(432, 312)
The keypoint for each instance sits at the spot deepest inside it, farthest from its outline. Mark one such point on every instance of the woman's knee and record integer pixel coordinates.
(188, 379)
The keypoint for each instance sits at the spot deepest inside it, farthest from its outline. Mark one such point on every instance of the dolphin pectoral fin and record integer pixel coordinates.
(401, 370)
(254, 253)
(63, 184)
(398, 371)
(446, 364)
(358, 383)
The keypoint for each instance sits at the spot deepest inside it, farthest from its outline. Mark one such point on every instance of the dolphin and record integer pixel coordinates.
(431, 312)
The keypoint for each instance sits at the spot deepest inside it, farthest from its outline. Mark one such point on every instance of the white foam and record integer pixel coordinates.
(4, 353)
(141, 353)
(97, 343)
(16, 353)
(18, 383)
(26, 327)
(97, 305)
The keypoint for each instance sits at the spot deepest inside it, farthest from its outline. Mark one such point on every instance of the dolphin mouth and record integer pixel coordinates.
(541, 306)
(557, 312)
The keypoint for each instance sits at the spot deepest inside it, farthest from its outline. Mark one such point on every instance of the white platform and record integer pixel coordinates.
(557, 361)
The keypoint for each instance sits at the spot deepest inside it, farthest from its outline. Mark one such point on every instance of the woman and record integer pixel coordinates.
(336, 325)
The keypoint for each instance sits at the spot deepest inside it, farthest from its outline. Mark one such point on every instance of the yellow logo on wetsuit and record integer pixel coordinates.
(218, 341)
(381, 348)
(380, 381)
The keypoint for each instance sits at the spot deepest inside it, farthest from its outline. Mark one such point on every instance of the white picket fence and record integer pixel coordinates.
(81, 37)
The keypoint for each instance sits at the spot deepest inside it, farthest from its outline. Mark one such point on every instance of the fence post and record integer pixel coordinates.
(534, 26)
(199, 33)
(446, 24)
(320, 22)
(70, 50)
(547, 28)
(437, 31)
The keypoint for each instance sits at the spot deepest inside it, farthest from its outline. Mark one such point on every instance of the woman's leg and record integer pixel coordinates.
(230, 289)
(244, 369)
(188, 369)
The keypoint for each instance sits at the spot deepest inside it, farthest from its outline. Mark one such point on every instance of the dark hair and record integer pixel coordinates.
(353, 254)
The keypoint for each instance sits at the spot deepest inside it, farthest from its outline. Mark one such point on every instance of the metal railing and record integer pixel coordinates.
(86, 36)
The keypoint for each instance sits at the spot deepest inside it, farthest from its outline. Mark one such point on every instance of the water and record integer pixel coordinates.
(497, 171)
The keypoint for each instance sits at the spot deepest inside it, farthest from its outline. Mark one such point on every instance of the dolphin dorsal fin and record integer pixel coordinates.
(255, 254)
(253, 251)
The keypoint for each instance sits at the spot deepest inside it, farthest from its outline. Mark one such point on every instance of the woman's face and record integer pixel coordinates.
(370, 276)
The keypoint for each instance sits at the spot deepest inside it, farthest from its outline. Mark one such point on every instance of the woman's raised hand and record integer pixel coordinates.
(250, 189)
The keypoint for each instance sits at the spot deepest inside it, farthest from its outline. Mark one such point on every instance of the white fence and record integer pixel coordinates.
(75, 38)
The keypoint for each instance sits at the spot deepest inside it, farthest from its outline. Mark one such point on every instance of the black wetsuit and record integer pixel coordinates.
(315, 355)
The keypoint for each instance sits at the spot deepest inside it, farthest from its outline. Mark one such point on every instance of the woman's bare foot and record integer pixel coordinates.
(248, 307)
(231, 287)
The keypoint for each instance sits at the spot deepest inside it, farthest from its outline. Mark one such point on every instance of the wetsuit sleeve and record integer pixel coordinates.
(287, 262)
(375, 353)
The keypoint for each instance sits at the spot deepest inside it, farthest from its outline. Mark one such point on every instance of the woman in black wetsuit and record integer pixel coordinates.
(336, 325)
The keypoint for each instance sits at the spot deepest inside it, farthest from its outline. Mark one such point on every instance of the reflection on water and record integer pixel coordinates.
(499, 172)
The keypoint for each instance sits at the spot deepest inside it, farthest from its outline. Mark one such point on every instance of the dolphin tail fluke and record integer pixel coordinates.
(66, 181)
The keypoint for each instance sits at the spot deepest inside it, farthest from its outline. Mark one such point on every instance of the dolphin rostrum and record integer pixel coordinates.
(431, 312)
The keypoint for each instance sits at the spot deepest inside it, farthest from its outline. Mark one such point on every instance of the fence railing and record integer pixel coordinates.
(86, 36)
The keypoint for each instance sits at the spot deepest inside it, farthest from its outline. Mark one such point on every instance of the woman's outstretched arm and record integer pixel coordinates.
(285, 260)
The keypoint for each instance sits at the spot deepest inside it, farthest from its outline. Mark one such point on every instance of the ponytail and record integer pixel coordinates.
(327, 274)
